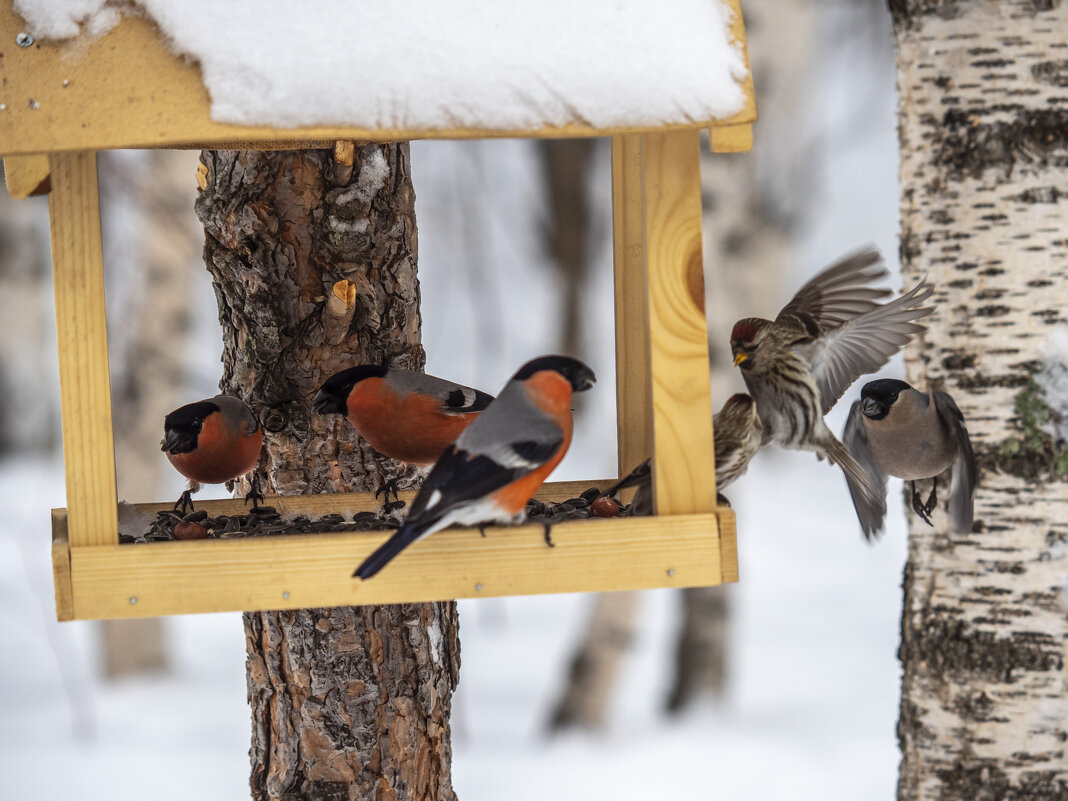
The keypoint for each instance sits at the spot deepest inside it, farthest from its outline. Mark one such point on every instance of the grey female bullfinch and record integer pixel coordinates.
(897, 430)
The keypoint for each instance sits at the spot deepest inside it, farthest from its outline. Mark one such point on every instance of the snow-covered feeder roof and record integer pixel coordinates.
(262, 72)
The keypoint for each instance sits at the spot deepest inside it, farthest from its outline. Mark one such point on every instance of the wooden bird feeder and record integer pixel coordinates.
(131, 92)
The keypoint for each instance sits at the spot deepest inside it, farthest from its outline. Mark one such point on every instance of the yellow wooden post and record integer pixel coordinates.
(684, 473)
(633, 396)
(85, 389)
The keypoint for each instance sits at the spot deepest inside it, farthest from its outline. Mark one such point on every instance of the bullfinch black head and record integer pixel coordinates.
(578, 374)
(877, 397)
(332, 397)
(182, 426)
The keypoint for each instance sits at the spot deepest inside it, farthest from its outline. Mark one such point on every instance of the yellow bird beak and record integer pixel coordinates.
(741, 357)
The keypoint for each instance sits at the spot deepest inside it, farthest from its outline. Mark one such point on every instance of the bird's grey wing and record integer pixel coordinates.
(454, 398)
(508, 421)
(237, 413)
(855, 440)
(965, 470)
(841, 291)
(864, 344)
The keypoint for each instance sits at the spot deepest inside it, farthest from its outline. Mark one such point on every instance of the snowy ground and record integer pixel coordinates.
(812, 702)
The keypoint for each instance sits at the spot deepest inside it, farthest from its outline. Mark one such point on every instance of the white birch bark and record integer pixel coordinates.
(983, 119)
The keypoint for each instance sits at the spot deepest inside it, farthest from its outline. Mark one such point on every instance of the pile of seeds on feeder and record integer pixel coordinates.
(266, 520)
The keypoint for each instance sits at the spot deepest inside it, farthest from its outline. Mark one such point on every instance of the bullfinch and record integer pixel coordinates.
(899, 431)
(500, 460)
(212, 441)
(408, 416)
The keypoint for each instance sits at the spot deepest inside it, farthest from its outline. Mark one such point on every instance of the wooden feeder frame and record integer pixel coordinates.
(126, 90)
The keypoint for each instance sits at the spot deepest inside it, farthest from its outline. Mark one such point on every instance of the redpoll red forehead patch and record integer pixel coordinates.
(744, 330)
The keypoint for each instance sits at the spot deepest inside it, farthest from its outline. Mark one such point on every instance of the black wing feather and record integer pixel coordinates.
(855, 440)
(965, 470)
(456, 401)
(460, 477)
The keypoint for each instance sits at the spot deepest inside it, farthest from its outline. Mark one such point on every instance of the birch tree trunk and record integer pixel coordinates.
(983, 120)
(347, 703)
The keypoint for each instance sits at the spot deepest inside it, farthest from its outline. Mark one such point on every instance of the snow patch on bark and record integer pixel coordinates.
(372, 177)
(433, 633)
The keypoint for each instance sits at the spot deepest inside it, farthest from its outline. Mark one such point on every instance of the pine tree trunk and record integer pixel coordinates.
(983, 123)
(347, 703)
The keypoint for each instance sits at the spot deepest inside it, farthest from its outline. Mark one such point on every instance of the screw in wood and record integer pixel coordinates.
(478, 588)
(285, 594)
(24, 39)
(671, 571)
(133, 600)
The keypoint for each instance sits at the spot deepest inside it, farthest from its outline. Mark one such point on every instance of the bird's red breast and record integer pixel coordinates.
(222, 453)
(411, 428)
(551, 393)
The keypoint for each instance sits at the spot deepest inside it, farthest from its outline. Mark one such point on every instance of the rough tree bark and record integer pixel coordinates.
(983, 123)
(347, 703)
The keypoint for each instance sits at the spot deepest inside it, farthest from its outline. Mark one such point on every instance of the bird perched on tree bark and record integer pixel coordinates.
(212, 441)
(408, 416)
(832, 332)
(897, 430)
(499, 460)
(736, 429)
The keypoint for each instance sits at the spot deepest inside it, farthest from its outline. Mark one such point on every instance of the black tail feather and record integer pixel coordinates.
(404, 537)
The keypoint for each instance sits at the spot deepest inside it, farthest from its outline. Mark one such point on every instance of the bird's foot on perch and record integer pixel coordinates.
(184, 502)
(932, 499)
(548, 534)
(254, 494)
(919, 508)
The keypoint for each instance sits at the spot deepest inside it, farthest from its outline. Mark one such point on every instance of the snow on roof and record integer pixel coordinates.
(424, 64)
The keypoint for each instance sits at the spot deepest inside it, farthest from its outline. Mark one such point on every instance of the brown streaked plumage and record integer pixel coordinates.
(832, 332)
(736, 429)
(896, 430)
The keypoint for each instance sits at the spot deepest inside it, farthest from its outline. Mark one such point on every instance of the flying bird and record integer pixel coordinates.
(497, 463)
(897, 430)
(736, 429)
(832, 332)
(212, 441)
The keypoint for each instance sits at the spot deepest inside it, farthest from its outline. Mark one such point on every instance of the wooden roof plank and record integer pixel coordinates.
(126, 90)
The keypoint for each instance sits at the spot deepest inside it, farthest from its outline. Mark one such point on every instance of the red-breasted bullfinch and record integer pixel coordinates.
(408, 416)
(500, 460)
(899, 431)
(823, 340)
(212, 441)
